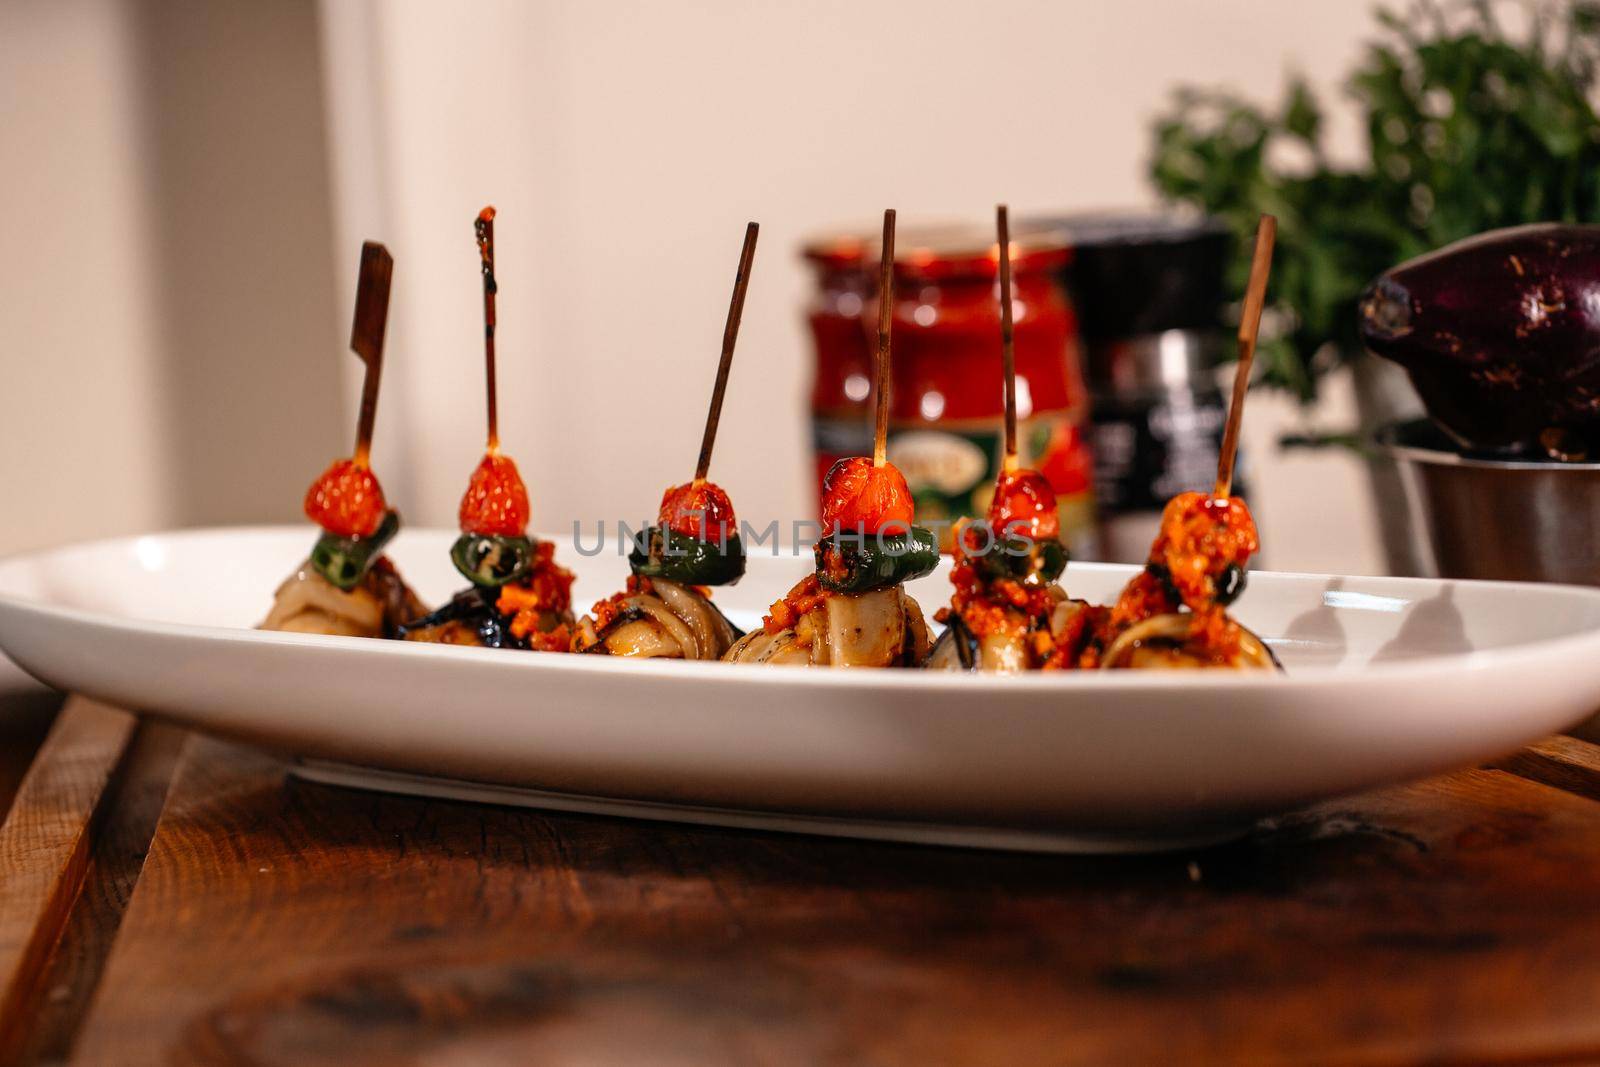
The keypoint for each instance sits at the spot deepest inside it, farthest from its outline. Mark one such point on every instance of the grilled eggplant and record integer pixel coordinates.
(1500, 334)
(1166, 642)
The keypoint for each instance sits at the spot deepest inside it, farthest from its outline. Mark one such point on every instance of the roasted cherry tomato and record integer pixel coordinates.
(347, 500)
(1025, 506)
(496, 504)
(702, 512)
(858, 496)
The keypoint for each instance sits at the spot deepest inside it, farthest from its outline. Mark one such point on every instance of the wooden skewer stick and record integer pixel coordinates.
(730, 337)
(1255, 296)
(483, 227)
(366, 337)
(1008, 353)
(880, 436)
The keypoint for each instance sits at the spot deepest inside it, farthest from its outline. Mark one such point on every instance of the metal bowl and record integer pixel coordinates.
(1512, 520)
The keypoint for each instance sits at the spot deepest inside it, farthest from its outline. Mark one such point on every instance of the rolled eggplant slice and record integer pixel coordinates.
(471, 618)
(955, 650)
(1165, 643)
(468, 619)
(671, 621)
(883, 628)
(376, 606)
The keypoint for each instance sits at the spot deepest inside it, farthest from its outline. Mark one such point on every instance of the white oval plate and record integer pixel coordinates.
(1388, 679)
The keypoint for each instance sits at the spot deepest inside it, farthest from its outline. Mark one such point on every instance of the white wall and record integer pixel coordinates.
(78, 360)
(625, 145)
(166, 288)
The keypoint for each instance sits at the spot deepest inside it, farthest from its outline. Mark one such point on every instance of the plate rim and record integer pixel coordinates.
(1420, 667)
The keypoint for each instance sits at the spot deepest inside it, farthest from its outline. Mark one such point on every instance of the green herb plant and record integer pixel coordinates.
(1477, 115)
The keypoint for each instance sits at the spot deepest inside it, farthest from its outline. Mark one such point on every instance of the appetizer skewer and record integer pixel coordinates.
(519, 597)
(665, 611)
(1174, 612)
(853, 611)
(348, 586)
(1007, 612)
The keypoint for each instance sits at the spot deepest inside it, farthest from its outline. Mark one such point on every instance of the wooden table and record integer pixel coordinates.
(169, 899)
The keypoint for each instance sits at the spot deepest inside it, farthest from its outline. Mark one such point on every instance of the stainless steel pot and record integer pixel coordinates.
(1514, 520)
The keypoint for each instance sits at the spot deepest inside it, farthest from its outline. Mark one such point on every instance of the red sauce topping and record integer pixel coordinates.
(1025, 504)
(999, 605)
(1201, 537)
(701, 511)
(1145, 597)
(856, 496)
(347, 500)
(496, 503)
(605, 611)
(544, 592)
(1069, 649)
(784, 614)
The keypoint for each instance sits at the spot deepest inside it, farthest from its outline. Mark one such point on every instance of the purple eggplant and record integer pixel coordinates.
(1500, 334)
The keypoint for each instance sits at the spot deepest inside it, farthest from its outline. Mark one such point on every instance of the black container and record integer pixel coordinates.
(1150, 292)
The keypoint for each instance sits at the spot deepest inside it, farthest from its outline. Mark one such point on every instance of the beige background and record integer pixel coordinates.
(186, 186)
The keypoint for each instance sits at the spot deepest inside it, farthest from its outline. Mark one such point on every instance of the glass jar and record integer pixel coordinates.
(947, 398)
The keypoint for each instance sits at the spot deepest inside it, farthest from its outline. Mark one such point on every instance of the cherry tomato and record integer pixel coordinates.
(496, 504)
(1025, 505)
(347, 500)
(858, 496)
(702, 511)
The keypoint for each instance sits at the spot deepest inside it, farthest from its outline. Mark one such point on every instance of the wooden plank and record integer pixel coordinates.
(132, 809)
(280, 922)
(22, 731)
(1563, 762)
(45, 846)
(26, 711)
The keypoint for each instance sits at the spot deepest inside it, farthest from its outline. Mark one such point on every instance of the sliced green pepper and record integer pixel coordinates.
(344, 560)
(861, 563)
(676, 557)
(491, 561)
(1025, 560)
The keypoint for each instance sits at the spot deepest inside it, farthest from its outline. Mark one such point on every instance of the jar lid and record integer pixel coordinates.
(936, 251)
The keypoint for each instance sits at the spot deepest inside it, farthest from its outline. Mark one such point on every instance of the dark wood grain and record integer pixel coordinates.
(45, 847)
(26, 714)
(121, 838)
(1564, 762)
(280, 922)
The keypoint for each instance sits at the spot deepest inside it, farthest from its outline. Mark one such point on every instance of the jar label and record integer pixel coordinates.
(934, 461)
(1147, 451)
